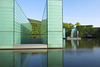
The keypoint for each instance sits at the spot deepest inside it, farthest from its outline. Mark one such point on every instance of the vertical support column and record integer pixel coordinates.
(64, 36)
(77, 34)
(71, 34)
(55, 23)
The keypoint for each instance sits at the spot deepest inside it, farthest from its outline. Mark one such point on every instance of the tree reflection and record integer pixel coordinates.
(83, 44)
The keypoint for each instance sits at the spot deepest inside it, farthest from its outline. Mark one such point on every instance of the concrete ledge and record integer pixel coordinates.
(73, 38)
(30, 46)
(56, 48)
(26, 47)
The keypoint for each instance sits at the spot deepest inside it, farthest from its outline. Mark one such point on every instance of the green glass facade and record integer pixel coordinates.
(15, 29)
(44, 26)
(74, 33)
(53, 24)
(22, 27)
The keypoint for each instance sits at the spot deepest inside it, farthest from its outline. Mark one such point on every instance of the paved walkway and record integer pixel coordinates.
(30, 46)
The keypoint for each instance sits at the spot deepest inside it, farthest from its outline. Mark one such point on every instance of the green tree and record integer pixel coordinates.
(68, 27)
(65, 25)
(78, 24)
(71, 26)
(36, 30)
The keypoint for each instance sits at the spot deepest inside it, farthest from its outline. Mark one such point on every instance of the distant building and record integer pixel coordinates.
(74, 33)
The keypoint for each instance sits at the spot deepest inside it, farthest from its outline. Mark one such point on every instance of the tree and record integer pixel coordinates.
(65, 25)
(78, 24)
(71, 26)
(36, 30)
(68, 27)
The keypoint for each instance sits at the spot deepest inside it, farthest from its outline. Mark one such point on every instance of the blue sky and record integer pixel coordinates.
(84, 11)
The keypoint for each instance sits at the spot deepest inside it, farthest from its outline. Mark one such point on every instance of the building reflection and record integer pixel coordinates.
(74, 50)
(55, 58)
(83, 44)
(25, 58)
(6, 58)
(10, 58)
(36, 59)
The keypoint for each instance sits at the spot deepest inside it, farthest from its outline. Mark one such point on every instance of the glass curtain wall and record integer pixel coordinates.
(55, 21)
(44, 26)
(6, 23)
(14, 26)
(22, 27)
(52, 24)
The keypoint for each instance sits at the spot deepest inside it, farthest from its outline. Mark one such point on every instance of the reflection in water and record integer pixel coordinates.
(9, 58)
(83, 53)
(55, 58)
(83, 44)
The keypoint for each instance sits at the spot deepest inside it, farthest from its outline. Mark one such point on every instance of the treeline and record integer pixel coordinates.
(68, 27)
(84, 30)
(88, 30)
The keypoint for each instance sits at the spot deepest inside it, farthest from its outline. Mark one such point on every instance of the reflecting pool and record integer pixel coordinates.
(82, 53)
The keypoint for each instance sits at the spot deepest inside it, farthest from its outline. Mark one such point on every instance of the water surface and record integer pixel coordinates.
(83, 53)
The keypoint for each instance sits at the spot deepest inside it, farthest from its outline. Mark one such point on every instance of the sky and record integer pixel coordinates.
(87, 12)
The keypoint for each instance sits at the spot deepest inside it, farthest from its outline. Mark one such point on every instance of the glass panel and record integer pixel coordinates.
(55, 39)
(44, 26)
(55, 23)
(6, 39)
(6, 23)
(54, 15)
(23, 28)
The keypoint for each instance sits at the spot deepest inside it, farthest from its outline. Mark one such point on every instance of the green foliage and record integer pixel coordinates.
(88, 29)
(97, 32)
(83, 29)
(78, 24)
(71, 25)
(36, 30)
(83, 43)
(68, 27)
(65, 25)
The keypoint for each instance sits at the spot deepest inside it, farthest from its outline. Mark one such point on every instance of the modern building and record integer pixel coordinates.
(74, 33)
(52, 24)
(15, 29)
